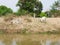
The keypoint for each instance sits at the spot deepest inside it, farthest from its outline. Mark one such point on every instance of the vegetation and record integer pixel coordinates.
(43, 14)
(23, 31)
(31, 6)
(49, 32)
(4, 10)
(21, 12)
(55, 9)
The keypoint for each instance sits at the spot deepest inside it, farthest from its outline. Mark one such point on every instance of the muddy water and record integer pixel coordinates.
(17, 39)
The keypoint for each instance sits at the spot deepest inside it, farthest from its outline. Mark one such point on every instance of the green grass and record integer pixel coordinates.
(49, 32)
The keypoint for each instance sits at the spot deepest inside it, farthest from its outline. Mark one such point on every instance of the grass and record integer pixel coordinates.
(25, 31)
(49, 32)
(28, 42)
(2, 31)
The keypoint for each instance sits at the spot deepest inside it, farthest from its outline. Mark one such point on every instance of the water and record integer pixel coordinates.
(1, 43)
(14, 42)
(18, 39)
(48, 42)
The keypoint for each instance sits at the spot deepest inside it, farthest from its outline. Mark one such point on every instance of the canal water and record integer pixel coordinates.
(18, 39)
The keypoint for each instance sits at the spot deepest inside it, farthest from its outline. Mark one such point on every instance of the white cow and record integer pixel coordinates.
(43, 19)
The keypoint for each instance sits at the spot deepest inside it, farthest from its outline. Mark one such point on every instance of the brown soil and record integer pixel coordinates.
(30, 24)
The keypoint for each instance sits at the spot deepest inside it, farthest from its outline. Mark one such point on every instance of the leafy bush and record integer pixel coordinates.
(4, 10)
(21, 12)
(43, 14)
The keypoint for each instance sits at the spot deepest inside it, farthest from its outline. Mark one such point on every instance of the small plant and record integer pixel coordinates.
(23, 31)
(2, 31)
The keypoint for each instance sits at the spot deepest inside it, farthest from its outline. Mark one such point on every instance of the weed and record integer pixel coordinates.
(23, 31)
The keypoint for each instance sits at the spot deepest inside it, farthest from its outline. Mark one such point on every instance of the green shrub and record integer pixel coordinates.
(4, 10)
(21, 12)
(43, 14)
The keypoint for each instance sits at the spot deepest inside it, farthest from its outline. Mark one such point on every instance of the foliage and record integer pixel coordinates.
(33, 6)
(57, 4)
(55, 9)
(55, 13)
(48, 13)
(4, 10)
(21, 12)
(43, 14)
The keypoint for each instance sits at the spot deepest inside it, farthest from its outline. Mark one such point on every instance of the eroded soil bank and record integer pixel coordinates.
(25, 24)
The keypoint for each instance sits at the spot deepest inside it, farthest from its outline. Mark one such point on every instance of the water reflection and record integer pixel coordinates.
(58, 42)
(45, 42)
(48, 42)
(29, 40)
(14, 42)
(1, 42)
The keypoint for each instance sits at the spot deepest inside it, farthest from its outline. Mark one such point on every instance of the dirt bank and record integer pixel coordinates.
(29, 24)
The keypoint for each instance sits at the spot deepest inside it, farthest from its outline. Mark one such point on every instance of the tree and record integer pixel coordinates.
(55, 9)
(33, 6)
(57, 5)
(4, 10)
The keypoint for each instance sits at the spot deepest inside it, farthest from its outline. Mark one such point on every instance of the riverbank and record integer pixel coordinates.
(25, 24)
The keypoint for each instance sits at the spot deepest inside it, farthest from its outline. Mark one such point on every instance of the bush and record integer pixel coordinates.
(4, 10)
(21, 12)
(43, 14)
